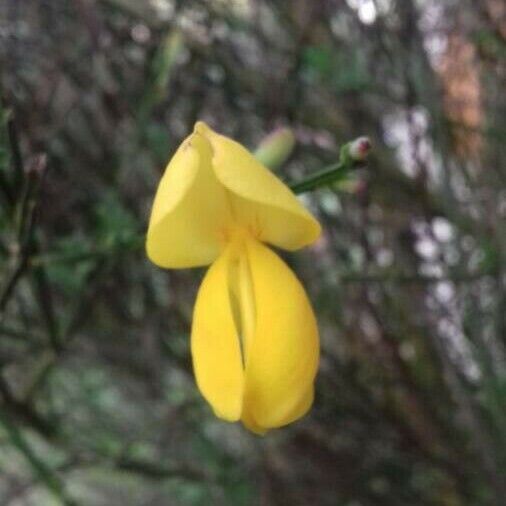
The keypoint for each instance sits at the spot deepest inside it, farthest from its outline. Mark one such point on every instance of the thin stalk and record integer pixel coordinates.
(325, 177)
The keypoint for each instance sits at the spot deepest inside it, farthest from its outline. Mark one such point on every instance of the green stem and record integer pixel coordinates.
(329, 175)
(332, 174)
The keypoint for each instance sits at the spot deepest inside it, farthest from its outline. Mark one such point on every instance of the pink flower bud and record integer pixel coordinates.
(360, 148)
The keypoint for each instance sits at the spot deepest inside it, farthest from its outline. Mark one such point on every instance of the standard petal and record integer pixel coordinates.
(283, 357)
(260, 200)
(190, 210)
(215, 345)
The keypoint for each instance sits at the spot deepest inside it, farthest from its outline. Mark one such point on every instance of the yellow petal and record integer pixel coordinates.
(190, 209)
(215, 346)
(283, 356)
(248, 421)
(260, 201)
(305, 402)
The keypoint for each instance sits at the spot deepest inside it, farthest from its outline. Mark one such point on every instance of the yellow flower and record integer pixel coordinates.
(254, 338)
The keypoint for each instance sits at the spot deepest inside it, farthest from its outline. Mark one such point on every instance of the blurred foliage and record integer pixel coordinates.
(97, 401)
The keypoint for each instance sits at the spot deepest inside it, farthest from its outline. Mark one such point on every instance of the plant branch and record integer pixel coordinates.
(24, 412)
(39, 469)
(24, 230)
(351, 156)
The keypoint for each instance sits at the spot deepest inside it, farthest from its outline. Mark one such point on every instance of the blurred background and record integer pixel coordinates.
(98, 405)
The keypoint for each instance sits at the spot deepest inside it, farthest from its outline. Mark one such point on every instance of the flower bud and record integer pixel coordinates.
(359, 149)
(275, 149)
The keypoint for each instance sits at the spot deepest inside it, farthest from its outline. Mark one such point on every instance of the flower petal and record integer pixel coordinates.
(190, 209)
(260, 200)
(215, 345)
(283, 357)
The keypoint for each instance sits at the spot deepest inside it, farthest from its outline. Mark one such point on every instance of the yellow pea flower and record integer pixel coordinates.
(254, 339)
